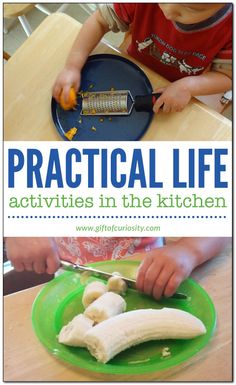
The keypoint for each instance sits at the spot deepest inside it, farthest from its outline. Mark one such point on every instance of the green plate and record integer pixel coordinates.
(60, 300)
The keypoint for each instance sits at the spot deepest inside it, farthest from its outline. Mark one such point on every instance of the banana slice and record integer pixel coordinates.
(93, 291)
(116, 284)
(106, 306)
(73, 333)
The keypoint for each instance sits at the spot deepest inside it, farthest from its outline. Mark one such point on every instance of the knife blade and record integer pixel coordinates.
(131, 283)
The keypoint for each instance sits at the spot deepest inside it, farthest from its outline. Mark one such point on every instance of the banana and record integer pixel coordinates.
(93, 291)
(110, 337)
(73, 333)
(106, 306)
(116, 284)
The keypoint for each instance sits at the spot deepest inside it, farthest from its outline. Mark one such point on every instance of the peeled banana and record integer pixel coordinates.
(93, 291)
(106, 306)
(73, 333)
(116, 284)
(107, 339)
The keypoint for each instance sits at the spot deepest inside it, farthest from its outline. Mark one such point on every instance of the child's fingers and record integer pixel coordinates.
(66, 92)
(76, 86)
(52, 263)
(18, 266)
(173, 284)
(40, 266)
(142, 272)
(28, 265)
(166, 108)
(150, 277)
(158, 104)
(56, 92)
(161, 281)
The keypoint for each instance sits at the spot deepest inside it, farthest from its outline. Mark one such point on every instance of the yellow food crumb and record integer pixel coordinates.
(91, 86)
(93, 128)
(110, 119)
(71, 133)
(101, 120)
(80, 120)
(165, 352)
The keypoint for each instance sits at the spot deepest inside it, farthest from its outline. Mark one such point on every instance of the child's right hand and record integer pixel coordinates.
(163, 269)
(174, 97)
(33, 254)
(69, 77)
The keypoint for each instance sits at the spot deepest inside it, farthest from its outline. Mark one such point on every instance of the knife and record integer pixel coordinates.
(131, 283)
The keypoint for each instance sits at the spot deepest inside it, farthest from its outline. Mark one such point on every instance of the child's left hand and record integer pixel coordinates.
(173, 99)
(163, 270)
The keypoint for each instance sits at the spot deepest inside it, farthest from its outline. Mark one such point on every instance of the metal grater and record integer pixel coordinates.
(107, 103)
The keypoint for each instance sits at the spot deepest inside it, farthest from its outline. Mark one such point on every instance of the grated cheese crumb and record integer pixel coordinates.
(165, 352)
(71, 133)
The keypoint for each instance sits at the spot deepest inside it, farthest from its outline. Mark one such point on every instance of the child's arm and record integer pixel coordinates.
(163, 270)
(33, 254)
(178, 94)
(89, 36)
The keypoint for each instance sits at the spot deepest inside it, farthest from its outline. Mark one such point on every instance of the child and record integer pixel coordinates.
(161, 272)
(189, 44)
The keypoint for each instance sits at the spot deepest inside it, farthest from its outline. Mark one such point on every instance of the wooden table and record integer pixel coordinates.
(25, 359)
(30, 73)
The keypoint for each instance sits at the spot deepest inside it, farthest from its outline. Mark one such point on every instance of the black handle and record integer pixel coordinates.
(145, 102)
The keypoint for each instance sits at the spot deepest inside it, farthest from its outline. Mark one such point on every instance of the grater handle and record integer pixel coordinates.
(145, 102)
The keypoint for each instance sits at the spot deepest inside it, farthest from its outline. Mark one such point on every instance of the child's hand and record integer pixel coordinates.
(163, 270)
(173, 99)
(67, 78)
(33, 254)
